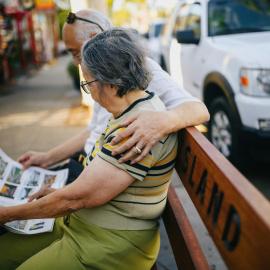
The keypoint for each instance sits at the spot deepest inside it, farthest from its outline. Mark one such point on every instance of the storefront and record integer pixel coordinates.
(29, 34)
(7, 31)
(46, 29)
(18, 47)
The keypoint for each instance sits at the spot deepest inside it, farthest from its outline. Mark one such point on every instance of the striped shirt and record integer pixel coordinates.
(139, 206)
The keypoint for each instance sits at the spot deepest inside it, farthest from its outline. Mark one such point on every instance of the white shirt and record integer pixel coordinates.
(161, 84)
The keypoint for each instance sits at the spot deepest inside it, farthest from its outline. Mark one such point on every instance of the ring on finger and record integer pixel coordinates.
(138, 150)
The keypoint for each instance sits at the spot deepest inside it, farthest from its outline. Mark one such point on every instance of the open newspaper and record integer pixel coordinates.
(16, 185)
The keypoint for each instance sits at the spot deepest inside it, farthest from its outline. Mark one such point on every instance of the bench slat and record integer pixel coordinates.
(235, 213)
(183, 240)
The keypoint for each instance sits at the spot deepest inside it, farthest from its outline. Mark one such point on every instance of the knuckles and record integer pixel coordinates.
(144, 154)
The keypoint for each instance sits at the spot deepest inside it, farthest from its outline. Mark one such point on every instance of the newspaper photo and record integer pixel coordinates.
(16, 185)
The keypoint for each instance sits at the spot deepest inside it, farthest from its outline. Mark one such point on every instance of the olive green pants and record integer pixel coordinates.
(80, 246)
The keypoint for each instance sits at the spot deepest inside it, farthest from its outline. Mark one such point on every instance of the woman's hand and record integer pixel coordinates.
(30, 158)
(41, 193)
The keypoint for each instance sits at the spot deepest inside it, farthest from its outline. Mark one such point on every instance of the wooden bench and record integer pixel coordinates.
(235, 213)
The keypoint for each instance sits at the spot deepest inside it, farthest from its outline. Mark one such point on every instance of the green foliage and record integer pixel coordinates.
(110, 3)
(73, 72)
(62, 19)
(119, 18)
(122, 16)
(135, 1)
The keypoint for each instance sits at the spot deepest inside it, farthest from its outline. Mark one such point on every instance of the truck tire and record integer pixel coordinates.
(222, 129)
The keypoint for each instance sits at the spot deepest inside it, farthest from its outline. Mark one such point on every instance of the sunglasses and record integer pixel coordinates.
(71, 17)
(86, 86)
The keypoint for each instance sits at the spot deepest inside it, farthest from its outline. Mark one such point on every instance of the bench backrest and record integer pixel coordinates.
(235, 213)
(187, 251)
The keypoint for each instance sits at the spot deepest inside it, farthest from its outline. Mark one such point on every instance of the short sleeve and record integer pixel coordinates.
(138, 170)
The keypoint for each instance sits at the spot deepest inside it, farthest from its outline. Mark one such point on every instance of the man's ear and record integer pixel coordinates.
(93, 34)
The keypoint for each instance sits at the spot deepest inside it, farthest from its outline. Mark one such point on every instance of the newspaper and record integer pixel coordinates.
(16, 185)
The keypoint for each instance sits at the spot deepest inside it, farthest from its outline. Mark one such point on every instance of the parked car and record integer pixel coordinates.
(220, 51)
(152, 37)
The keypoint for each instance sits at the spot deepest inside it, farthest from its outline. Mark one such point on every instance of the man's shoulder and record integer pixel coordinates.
(153, 65)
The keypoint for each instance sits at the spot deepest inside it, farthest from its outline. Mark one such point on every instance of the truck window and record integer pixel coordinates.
(238, 16)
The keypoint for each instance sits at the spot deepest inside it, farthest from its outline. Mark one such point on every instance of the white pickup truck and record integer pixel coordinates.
(219, 50)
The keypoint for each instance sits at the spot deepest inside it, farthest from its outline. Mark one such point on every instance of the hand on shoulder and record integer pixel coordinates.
(146, 128)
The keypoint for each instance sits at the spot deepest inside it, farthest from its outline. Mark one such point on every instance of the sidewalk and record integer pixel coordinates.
(42, 111)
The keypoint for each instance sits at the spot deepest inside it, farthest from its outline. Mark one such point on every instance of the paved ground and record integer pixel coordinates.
(42, 111)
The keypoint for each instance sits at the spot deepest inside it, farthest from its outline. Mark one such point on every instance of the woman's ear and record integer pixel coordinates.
(114, 89)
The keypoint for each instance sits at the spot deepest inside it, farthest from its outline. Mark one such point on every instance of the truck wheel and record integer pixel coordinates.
(222, 129)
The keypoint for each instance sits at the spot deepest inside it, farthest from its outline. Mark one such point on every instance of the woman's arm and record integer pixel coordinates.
(97, 184)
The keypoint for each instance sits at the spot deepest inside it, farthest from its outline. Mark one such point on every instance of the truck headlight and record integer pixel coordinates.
(255, 82)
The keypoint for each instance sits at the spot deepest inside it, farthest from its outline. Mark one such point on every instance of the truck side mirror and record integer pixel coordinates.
(187, 37)
(146, 35)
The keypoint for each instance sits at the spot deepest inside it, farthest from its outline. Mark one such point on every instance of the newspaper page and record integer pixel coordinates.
(16, 185)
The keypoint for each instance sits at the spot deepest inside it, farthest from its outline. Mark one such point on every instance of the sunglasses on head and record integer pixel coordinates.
(71, 17)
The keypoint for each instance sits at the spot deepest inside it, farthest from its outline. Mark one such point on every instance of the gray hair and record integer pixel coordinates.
(85, 29)
(117, 57)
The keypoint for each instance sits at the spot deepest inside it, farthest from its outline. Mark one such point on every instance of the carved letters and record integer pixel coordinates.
(214, 202)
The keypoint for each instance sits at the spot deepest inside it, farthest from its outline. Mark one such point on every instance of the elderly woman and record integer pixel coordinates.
(107, 218)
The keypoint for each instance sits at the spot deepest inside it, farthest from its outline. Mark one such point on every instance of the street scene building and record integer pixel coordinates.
(29, 36)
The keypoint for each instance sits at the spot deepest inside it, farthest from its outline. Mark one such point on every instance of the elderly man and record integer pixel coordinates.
(144, 129)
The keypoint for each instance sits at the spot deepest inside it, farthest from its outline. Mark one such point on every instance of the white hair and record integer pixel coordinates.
(85, 29)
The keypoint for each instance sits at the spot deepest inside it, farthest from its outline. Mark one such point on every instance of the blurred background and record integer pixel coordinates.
(30, 31)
